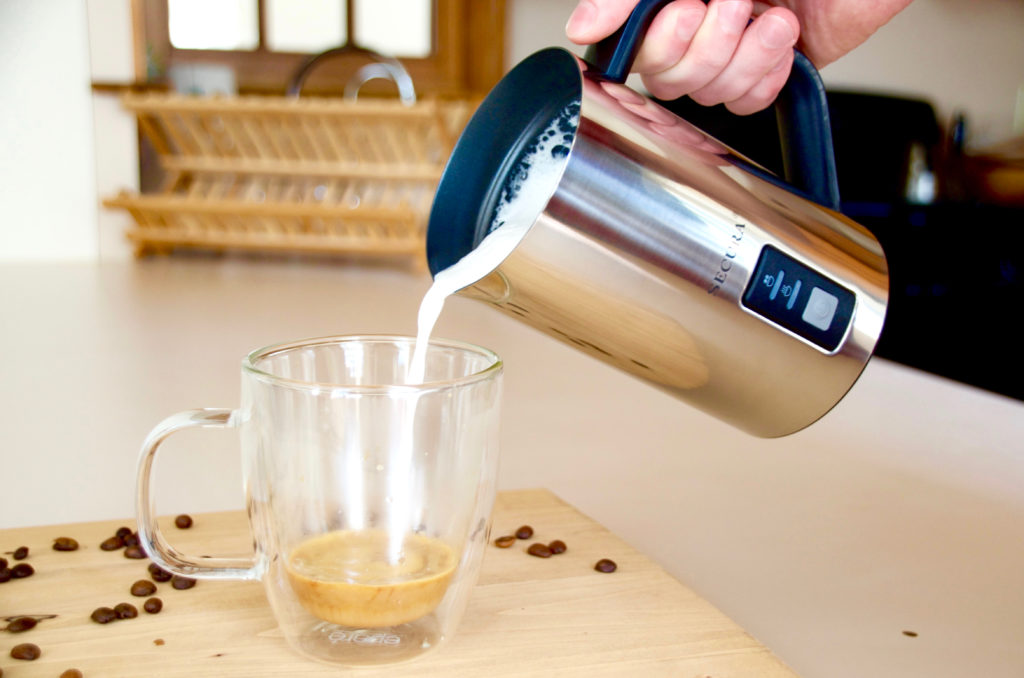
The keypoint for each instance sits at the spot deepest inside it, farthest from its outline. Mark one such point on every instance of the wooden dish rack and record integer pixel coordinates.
(277, 174)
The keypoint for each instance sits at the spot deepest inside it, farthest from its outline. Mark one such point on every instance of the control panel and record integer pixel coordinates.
(800, 299)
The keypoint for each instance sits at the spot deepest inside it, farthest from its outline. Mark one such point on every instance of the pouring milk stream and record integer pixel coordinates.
(529, 188)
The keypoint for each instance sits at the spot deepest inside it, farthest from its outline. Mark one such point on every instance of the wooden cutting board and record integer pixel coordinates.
(528, 616)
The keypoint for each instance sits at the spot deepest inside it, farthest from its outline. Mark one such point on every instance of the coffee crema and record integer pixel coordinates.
(347, 578)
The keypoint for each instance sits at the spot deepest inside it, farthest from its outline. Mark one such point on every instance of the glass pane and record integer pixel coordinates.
(213, 24)
(305, 26)
(411, 36)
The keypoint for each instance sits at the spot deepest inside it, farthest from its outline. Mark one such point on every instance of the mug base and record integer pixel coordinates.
(353, 646)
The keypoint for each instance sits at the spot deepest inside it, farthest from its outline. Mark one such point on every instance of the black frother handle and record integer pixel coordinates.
(801, 108)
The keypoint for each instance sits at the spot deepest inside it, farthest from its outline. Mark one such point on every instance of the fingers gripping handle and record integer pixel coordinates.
(613, 57)
(802, 107)
(150, 536)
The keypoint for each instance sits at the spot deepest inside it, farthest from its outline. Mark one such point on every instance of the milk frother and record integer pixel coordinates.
(665, 253)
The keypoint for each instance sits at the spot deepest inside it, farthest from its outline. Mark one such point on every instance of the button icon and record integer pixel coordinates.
(820, 309)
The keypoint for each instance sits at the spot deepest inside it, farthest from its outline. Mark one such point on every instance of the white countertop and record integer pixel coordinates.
(902, 510)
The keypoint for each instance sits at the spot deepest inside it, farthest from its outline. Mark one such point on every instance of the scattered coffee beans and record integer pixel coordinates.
(65, 544)
(183, 521)
(103, 615)
(26, 651)
(153, 605)
(134, 552)
(5, 574)
(22, 570)
(539, 550)
(524, 532)
(112, 543)
(605, 565)
(131, 539)
(143, 588)
(158, 574)
(21, 624)
(71, 673)
(182, 583)
(557, 546)
(21, 553)
(126, 611)
(505, 542)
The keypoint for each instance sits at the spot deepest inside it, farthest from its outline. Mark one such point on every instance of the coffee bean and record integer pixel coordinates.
(5, 574)
(557, 546)
(103, 615)
(21, 553)
(65, 544)
(143, 588)
(158, 641)
(126, 611)
(153, 605)
(131, 539)
(22, 570)
(134, 552)
(539, 550)
(524, 532)
(3, 563)
(158, 574)
(183, 522)
(112, 543)
(26, 651)
(21, 624)
(605, 565)
(505, 542)
(123, 532)
(182, 583)
(72, 673)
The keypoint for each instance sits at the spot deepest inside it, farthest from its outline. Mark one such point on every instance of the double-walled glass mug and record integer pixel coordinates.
(369, 497)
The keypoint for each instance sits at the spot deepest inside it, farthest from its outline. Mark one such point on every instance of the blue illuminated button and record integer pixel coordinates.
(792, 295)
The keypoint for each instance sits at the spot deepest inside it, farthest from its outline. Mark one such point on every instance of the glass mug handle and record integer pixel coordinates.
(150, 536)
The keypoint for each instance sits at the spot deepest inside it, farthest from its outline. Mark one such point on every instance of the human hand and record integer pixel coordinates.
(716, 54)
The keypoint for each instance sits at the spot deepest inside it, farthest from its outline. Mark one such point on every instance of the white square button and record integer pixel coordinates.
(820, 309)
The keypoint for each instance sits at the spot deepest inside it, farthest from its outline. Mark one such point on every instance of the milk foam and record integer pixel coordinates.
(526, 192)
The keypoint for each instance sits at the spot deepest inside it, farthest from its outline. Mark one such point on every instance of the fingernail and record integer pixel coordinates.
(581, 17)
(775, 33)
(733, 16)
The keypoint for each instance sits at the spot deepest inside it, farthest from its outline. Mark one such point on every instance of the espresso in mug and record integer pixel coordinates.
(356, 578)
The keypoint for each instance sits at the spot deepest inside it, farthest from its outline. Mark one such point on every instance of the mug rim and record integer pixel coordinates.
(249, 364)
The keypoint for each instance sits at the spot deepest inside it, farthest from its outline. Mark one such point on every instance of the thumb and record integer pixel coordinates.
(596, 19)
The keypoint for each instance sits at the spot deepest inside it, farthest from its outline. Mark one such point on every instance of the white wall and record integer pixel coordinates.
(962, 55)
(115, 130)
(47, 167)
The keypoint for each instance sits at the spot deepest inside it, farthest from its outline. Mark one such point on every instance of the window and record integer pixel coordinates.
(449, 47)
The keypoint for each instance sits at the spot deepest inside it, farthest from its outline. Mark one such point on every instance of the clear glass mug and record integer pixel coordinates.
(369, 498)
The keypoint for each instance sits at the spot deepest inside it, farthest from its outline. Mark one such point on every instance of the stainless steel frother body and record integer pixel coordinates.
(666, 254)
